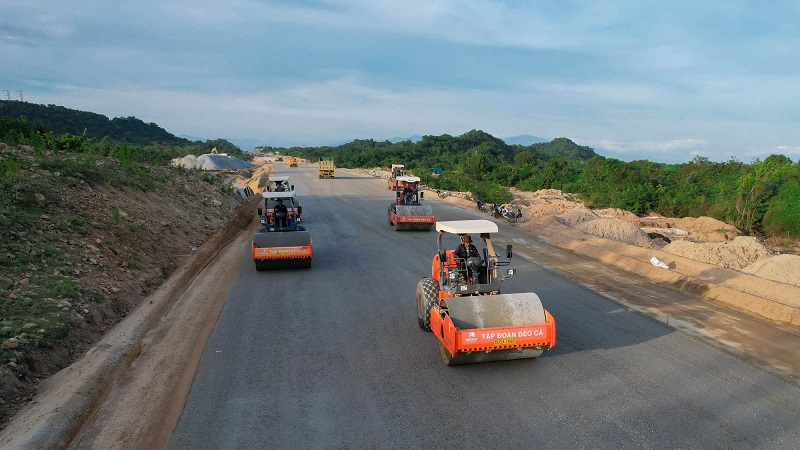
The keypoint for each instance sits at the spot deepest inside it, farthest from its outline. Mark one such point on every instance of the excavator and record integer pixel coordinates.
(407, 212)
(462, 305)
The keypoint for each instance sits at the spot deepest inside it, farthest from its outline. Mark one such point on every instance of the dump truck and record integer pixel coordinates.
(407, 212)
(281, 242)
(292, 161)
(462, 305)
(398, 170)
(326, 168)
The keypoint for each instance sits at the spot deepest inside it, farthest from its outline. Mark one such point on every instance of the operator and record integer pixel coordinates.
(464, 251)
(408, 195)
(280, 208)
(280, 188)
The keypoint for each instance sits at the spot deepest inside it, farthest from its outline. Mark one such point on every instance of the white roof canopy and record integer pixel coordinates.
(274, 195)
(397, 165)
(279, 179)
(467, 226)
(408, 179)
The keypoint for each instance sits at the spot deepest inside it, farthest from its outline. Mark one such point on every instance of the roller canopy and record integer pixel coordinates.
(408, 179)
(276, 195)
(467, 226)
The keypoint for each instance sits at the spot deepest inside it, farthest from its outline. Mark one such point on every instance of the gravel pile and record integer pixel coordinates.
(211, 162)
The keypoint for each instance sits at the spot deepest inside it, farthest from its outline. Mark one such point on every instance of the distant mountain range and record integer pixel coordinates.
(61, 120)
(415, 138)
(524, 139)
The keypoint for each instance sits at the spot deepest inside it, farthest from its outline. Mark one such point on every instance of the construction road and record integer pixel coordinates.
(332, 357)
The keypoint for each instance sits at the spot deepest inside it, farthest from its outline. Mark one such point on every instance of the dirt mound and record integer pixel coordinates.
(780, 268)
(617, 230)
(737, 254)
(577, 216)
(548, 209)
(707, 229)
(617, 213)
(546, 202)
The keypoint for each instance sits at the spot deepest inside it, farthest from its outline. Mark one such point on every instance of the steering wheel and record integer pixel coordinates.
(474, 262)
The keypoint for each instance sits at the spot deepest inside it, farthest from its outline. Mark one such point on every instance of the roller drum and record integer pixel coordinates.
(491, 311)
(410, 211)
(282, 239)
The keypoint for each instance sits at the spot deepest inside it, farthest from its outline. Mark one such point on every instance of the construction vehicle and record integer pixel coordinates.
(398, 170)
(293, 161)
(407, 211)
(278, 184)
(326, 168)
(462, 305)
(281, 242)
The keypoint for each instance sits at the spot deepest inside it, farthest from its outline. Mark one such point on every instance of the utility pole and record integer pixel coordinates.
(20, 95)
(8, 94)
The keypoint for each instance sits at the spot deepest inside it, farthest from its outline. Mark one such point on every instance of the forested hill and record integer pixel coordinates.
(760, 197)
(440, 151)
(61, 120)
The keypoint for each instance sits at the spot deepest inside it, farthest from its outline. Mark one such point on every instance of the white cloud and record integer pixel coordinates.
(610, 75)
(671, 146)
(784, 150)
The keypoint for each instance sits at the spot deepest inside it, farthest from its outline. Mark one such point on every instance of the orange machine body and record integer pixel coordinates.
(457, 340)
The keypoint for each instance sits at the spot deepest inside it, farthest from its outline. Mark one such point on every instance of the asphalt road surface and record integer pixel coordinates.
(332, 357)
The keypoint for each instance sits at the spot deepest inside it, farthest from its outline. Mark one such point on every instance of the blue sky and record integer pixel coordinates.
(664, 81)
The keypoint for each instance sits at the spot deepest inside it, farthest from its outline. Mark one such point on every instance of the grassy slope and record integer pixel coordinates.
(82, 241)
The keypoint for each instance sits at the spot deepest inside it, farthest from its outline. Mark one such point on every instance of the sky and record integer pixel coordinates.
(665, 81)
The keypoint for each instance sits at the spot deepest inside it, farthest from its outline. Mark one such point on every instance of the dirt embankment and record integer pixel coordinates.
(120, 242)
(703, 239)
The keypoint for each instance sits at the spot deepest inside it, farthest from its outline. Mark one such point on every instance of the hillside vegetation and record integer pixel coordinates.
(63, 121)
(762, 197)
(87, 229)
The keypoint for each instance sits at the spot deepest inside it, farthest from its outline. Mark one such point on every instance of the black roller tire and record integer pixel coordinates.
(427, 297)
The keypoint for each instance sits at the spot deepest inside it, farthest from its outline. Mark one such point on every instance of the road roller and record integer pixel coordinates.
(462, 305)
(398, 170)
(407, 212)
(281, 242)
